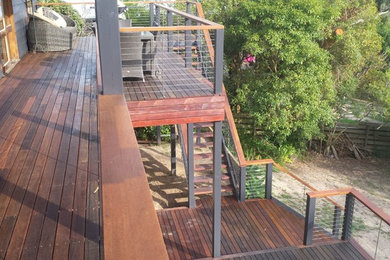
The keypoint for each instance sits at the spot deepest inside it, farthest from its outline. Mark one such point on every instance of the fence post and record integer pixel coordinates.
(309, 220)
(158, 133)
(336, 222)
(242, 183)
(218, 70)
(151, 14)
(348, 215)
(170, 33)
(268, 181)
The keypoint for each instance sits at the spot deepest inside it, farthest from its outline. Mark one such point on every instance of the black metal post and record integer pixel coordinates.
(336, 222)
(151, 14)
(170, 33)
(309, 220)
(218, 70)
(109, 46)
(268, 181)
(158, 133)
(190, 160)
(242, 183)
(158, 16)
(173, 150)
(188, 45)
(217, 189)
(198, 138)
(348, 215)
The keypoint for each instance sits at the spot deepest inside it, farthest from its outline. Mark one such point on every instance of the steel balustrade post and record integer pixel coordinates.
(109, 47)
(242, 183)
(309, 220)
(268, 181)
(336, 222)
(348, 216)
(188, 42)
(218, 69)
(190, 160)
(173, 150)
(151, 14)
(217, 189)
(170, 33)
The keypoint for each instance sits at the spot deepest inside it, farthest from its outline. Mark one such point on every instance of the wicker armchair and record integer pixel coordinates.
(43, 36)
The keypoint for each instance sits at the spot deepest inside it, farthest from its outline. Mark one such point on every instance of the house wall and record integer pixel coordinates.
(20, 18)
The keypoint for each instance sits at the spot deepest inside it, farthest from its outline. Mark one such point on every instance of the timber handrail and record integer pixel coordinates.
(358, 195)
(286, 171)
(127, 2)
(191, 17)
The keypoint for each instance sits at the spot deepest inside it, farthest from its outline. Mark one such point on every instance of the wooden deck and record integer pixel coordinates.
(253, 225)
(49, 157)
(173, 80)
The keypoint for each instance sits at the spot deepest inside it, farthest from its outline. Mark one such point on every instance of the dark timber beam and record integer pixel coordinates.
(217, 189)
(109, 46)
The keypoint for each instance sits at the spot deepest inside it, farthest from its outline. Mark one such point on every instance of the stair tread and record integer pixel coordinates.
(203, 124)
(207, 166)
(205, 155)
(209, 190)
(204, 134)
(204, 145)
(209, 178)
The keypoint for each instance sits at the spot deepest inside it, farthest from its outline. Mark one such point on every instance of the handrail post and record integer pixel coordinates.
(218, 69)
(309, 220)
(242, 183)
(151, 14)
(158, 16)
(170, 33)
(190, 160)
(348, 215)
(188, 42)
(173, 150)
(268, 181)
(336, 221)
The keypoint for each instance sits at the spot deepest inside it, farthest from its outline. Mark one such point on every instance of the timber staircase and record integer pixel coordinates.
(203, 160)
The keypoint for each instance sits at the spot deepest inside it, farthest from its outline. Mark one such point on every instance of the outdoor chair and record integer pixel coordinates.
(131, 54)
(48, 34)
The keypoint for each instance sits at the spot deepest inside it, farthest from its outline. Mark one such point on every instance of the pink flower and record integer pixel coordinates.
(249, 58)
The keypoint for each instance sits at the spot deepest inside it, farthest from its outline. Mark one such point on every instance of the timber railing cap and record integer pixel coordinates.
(358, 195)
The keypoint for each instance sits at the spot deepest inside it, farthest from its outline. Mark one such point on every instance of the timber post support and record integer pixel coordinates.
(309, 220)
(217, 196)
(173, 150)
(348, 215)
(268, 181)
(158, 134)
(190, 160)
(109, 46)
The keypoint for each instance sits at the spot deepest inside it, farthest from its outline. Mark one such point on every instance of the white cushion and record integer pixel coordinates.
(50, 16)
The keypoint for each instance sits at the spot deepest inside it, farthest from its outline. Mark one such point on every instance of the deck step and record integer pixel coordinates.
(200, 156)
(204, 134)
(204, 145)
(207, 167)
(209, 178)
(204, 125)
(209, 190)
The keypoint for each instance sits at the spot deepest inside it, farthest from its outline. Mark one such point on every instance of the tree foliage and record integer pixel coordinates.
(312, 56)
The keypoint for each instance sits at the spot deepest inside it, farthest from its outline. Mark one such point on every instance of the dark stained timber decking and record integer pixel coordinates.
(250, 226)
(49, 167)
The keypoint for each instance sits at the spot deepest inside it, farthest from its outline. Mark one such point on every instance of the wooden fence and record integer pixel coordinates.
(370, 137)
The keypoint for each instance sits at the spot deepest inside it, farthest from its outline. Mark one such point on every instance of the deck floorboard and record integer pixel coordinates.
(49, 175)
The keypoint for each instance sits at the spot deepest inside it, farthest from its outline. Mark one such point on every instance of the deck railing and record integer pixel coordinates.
(360, 221)
(175, 46)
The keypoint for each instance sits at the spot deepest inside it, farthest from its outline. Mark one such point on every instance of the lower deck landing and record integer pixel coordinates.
(253, 225)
